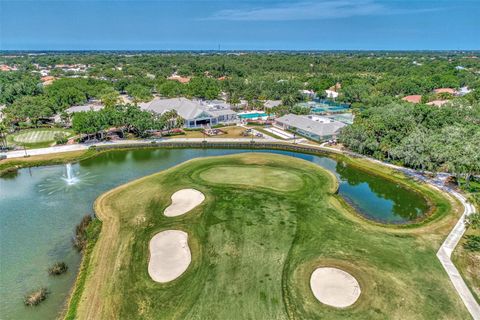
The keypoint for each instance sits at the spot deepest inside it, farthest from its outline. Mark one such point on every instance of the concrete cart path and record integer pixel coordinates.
(446, 249)
(443, 254)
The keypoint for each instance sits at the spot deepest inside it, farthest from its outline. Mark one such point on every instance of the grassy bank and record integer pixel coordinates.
(9, 166)
(468, 263)
(441, 204)
(254, 246)
(92, 233)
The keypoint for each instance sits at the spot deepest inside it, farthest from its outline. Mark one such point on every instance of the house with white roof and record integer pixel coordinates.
(196, 113)
(314, 127)
(331, 94)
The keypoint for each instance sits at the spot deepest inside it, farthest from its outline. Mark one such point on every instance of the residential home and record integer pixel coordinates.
(336, 87)
(308, 93)
(272, 103)
(314, 127)
(178, 78)
(331, 94)
(438, 103)
(416, 98)
(445, 90)
(47, 80)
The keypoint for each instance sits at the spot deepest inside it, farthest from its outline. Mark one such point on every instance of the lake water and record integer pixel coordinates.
(39, 212)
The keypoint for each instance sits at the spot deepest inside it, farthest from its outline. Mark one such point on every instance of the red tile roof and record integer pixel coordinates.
(416, 98)
(445, 90)
(179, 78)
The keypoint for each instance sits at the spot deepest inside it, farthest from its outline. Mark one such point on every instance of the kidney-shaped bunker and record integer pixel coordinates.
(169, 255)
(183, 201)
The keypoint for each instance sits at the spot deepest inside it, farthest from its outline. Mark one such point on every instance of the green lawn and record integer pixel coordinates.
(37, 138)
(255, 243)
(468, 263)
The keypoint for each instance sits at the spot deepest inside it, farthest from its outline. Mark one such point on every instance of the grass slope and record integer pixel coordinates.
(254, 248)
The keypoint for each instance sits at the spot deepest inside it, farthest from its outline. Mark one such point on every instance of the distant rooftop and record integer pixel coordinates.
(320, 126)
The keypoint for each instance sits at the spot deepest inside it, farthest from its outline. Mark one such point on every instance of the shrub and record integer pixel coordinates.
(473, 220)
(80, 238)
(58, 268)
(35, 297)
(472, 243)
(60, 138)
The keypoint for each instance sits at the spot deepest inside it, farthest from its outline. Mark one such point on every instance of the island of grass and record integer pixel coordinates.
(254, 245)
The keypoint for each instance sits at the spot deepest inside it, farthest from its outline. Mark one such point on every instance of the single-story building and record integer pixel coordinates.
(272, 103)
(308, 93)
(87, 107)
(196, 113)
(311, 126)
(438, 103)
(331, 94)
(445, 90)
(178, 78)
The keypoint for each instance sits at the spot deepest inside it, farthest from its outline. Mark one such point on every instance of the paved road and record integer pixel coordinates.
(76, 147)
(443, 254)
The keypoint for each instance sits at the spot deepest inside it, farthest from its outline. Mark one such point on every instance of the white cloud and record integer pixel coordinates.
(321, 9)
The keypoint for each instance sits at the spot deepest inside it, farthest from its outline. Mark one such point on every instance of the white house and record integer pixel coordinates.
(311, 126)
(331, 94)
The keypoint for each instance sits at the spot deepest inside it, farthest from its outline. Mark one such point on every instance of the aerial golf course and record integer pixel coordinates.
(253, 228)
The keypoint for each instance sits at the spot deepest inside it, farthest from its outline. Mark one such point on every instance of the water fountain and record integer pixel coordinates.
(70, 178)
(69, 181)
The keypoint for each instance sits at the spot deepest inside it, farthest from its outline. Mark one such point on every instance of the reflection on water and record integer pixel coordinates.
(377, 198)
(39, 211)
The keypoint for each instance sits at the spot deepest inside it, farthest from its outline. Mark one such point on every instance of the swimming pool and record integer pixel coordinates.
(325, 106)
(254, 115)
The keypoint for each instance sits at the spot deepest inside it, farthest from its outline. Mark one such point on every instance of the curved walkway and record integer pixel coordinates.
(443, 254)
(446, 249)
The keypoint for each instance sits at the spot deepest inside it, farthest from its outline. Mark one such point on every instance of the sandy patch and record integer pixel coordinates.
(169, 255)
(183, 201)
(334, 287)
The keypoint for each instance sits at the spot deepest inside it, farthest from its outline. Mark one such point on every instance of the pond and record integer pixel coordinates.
(40, 207)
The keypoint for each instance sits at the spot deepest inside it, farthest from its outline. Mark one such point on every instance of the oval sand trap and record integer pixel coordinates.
(169, 255)
(183, 201)
(334, 287)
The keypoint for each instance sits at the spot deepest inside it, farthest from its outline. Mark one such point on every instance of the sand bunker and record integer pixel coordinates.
(183, 201)
(334, 287)
(169, 255)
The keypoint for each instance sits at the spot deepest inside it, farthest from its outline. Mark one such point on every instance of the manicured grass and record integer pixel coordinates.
(9, 166)
(37, 138)
(230, 132)
(259, 176)
(468, 263)
(254, 248)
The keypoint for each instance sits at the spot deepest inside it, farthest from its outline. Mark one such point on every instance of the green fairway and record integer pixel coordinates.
(37, 137)
(254, 176)
(267, 222)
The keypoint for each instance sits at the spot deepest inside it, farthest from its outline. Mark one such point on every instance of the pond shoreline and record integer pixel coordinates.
(355, 160)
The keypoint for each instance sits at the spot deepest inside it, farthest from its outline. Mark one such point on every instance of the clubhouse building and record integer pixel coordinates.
(196, 113)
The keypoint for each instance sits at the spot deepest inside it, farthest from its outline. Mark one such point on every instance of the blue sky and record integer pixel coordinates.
(241, 24)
